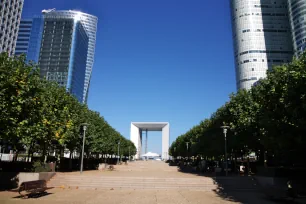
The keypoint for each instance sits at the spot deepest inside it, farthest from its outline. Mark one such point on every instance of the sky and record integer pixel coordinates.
(156, 61)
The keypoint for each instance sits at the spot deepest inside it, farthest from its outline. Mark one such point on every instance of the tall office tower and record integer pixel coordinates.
(63, 52)
(10, 14)
(90, 23)
(23, 37)
(297, 16)
(29, 38)
(262, 38)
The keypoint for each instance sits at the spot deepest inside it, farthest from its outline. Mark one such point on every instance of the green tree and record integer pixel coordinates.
(20, 88)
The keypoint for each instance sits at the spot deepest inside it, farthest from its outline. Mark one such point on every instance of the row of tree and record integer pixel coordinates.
(269, 119)
(40, 116)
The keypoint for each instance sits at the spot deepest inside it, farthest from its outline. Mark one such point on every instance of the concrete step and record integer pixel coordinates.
(102, 182)
(175, 186)
(134, 180)
(142, 180)
(134, 183)
(128, 184)
(129, 178)
(137, 187)
(80, 184)
(108, 183)
(92, 182)
(123, 181)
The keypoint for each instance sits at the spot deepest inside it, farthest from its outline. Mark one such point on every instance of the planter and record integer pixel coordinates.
(22, 177)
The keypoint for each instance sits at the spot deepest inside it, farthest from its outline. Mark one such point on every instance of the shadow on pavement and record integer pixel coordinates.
(8, 180)
(241, 189)
(37, 195)
(31, 195)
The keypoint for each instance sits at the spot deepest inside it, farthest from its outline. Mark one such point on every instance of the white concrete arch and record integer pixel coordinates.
(136, 135)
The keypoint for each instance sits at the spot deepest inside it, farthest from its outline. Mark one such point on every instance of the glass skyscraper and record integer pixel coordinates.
(23, 38)
(63, 52)
(35, 39)
(297, 16)
(10, 15)
(31, 34)
(29, 38)
(262, 38)
(90, 24)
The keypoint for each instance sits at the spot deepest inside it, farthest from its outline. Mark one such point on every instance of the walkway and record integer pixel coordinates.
(136, 194)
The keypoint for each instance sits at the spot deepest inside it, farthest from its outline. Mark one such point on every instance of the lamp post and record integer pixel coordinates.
(118, 151)
(248, 159)
(129, 153)
(187, 144)
(225, 128)
(84, 134)
(265, 159)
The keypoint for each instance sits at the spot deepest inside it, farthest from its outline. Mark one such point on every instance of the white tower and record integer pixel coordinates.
(262, 38)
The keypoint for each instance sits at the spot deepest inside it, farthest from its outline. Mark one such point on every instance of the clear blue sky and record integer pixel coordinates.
(162, 60)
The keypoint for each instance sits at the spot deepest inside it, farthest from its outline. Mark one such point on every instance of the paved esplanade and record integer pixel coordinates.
(165, 187)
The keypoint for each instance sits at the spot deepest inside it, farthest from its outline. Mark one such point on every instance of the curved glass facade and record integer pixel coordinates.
(63, 53)
(90, 23)
(262, 38)
(29, 38)
(297, 13)
(78, 57)
(35, 39)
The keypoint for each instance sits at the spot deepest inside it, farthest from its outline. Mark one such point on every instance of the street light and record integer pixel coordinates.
(118, 151)
(84, 134)
(225, 128)
(129, 153)
(187, 144)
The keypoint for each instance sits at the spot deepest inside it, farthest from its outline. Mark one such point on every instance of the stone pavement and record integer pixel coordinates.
(65, 196)
(140, 170)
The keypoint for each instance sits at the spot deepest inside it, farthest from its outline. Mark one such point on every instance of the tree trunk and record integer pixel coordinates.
(15, 156)
(46, 155)
(44, 152)
(265, 159)
(29, 153)
(235, 163)
(249, 170)
(70, 160)
(59, 158)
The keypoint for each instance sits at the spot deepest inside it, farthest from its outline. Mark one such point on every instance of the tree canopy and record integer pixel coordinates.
(270, 117)
(41, 115)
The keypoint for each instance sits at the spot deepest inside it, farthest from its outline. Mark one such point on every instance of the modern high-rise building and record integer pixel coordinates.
(35, 39)
(23, 38)
(90, 24)
(297, 16)
(262, 38)
(63, 52)
(10, 15)
(29, 38)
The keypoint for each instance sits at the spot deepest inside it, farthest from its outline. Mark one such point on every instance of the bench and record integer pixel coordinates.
(32, 187)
